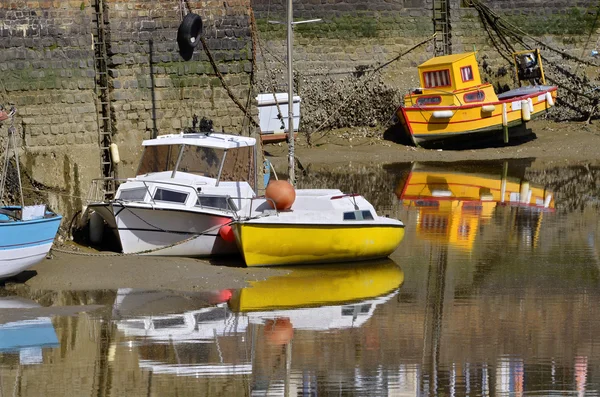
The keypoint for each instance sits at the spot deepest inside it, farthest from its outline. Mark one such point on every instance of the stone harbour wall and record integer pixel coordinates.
(356, 36)
(49, 72)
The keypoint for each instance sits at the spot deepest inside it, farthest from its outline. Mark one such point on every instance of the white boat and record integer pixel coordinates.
(26, 232)
(187, 187)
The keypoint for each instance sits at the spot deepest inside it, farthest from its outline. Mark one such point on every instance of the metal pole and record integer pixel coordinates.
(290, 40)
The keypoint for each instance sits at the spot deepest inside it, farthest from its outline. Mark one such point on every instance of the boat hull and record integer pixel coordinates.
(146, 231)
(25, 243)
(469, 120)
(310, 243)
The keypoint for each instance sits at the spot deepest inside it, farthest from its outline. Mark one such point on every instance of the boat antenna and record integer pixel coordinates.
(290, 78)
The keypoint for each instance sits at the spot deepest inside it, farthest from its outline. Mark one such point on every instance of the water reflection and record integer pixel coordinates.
(493, 298)
(253, 331)
(22, 333)
(453, 203)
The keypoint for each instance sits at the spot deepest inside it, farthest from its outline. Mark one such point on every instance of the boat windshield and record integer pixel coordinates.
(198, 160)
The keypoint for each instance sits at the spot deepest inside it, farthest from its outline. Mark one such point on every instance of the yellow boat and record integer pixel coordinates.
(453, 103)
(453, 204)
(322, 226)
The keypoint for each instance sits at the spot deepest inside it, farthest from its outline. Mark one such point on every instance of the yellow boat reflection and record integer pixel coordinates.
(453, 203)
(319, 286)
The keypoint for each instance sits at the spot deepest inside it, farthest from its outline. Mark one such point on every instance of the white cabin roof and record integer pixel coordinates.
(211, 140)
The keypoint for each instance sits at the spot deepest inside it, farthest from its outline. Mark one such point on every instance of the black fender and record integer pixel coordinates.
(189, 31)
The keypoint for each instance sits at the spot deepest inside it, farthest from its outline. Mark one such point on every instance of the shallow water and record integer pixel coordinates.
(494, 291)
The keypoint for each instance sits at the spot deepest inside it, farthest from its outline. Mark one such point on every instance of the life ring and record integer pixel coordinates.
(190, 30)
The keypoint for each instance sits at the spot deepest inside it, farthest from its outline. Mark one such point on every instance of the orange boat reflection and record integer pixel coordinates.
(454, 202)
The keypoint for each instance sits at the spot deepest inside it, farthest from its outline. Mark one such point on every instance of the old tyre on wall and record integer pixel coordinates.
(190, 30)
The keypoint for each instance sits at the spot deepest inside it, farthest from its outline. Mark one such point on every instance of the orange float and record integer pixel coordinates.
(282, 193)
(279, 331)
(226, 233)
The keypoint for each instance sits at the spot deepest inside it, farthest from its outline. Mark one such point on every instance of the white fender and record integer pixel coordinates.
(504, 115)
(443, 114)
(488, 108)
(549, 99)
(114, 153)
(525, 111)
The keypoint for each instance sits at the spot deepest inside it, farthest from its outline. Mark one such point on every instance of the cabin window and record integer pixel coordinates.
(136, 194)
(219, 202)
(438, 78)
(170, 196)
(429, 100)
(466, 73)
(358, 216)
(476, 96)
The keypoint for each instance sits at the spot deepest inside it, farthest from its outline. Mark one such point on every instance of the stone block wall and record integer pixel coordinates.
(141, 30)
(48, 69)
(47, 73)
(356, 34)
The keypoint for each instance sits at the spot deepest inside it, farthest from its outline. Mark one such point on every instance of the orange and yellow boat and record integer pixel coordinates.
(453, 102)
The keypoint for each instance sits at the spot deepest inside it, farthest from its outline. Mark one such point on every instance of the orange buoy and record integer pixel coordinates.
(226, 233)
(279, 331)
(282, 193)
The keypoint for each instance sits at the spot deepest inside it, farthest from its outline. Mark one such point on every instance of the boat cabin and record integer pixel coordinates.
(217, 156)
(450, 80)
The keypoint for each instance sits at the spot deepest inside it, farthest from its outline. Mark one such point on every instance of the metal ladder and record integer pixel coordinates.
(441, 26)
(100, 27)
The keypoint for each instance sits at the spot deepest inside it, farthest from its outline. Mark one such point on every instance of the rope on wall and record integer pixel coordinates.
(374, 71)
(224, 84)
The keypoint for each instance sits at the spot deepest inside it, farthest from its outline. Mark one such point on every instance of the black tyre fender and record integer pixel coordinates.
(190, 30)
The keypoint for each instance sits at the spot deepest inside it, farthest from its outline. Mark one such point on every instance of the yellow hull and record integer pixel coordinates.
(271, 244)
(310, 286)
(465, 120)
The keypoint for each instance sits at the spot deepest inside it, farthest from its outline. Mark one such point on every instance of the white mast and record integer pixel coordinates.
(290, 41)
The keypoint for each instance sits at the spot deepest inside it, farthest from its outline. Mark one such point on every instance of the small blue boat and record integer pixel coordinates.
(26, 232)
(23, 243)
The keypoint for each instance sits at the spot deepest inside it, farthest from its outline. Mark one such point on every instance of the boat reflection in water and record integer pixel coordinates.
(23, 334)
(453, 201)
(248, 331)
